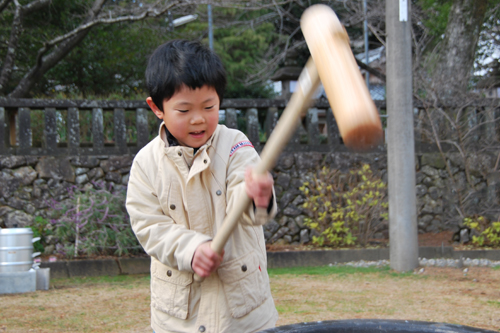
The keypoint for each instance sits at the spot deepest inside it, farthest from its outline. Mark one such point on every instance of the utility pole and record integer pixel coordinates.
(210, 28)
(403, 233)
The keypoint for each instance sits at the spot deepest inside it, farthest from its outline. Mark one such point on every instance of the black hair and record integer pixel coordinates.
(181, 62)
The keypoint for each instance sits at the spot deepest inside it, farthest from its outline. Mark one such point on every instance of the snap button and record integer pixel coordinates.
(219, 192)
(179, 153)
(172, 206)
(205, 161)
(169, 273)
(202, 328)
(244, 268)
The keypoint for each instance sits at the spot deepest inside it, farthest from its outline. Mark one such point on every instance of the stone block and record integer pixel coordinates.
(18, 219)
(93, 267)
(134, 265)
(304, 236)
(286, 161)
(292, 211)
(434, 160)
(10, 162)
(283, 180)
(85, 161)
(26, 175)
(18, 282)
(421, 190)
(430, 171)
(56, 168)
(115, 163)
(42, 278)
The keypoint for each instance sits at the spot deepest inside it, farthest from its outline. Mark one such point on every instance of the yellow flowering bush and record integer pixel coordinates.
(487, 233)
(345, 209)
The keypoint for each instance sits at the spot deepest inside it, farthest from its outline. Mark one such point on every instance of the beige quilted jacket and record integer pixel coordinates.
(176, 201)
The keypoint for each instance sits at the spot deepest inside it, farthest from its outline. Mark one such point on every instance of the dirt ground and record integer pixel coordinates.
(437, 294)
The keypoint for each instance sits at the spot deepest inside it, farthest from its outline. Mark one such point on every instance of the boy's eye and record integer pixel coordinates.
(209, 107)
(183, 111)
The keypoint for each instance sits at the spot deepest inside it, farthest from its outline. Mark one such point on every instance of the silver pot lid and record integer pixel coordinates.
(15, 231)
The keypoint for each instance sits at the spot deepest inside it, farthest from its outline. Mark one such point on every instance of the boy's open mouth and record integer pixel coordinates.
(197, 133)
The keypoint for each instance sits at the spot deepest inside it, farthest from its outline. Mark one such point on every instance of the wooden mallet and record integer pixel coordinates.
(356, 114)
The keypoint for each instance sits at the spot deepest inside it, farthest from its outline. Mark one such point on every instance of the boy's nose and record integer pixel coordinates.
(197, 119)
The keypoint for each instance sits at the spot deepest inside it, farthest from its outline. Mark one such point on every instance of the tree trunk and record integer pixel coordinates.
(8, 63)
(456, 56)
(16, 29)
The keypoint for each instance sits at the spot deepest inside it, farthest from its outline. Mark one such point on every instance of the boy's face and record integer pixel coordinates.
(191, 116)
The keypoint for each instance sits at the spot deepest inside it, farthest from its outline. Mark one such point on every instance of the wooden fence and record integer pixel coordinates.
(66, 127)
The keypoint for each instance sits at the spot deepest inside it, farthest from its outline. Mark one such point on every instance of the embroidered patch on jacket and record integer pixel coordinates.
(239, 145)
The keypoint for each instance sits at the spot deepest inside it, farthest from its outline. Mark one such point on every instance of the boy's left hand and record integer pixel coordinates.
(259, 188)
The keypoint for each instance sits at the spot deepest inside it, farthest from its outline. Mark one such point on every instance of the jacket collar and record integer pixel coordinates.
(170, 141)
(185, 157)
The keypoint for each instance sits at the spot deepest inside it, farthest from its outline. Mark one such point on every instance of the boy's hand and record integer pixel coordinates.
(259, 188)
(205, 260)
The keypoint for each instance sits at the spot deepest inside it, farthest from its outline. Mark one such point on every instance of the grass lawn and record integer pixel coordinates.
(121, 303)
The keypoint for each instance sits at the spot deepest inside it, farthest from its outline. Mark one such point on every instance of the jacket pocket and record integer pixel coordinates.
(170, 290)
(243, 283)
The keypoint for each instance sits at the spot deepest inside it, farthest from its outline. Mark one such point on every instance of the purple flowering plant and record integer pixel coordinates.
(93, 222)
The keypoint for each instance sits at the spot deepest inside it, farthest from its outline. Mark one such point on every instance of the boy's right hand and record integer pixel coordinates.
(205, 260)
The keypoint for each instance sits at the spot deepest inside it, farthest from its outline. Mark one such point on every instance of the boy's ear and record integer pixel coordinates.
(154, 108)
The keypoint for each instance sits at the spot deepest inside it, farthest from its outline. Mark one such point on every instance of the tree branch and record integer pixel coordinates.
(35, 5)
(68, 41)
(4, 4)
(371, 70)
(151, 13)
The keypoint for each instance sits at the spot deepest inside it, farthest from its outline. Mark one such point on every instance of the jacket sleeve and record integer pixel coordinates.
(235, 183)
(172, 244)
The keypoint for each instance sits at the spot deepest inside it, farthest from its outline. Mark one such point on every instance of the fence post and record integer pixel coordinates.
(3, 134)
(490, 131)
(12, 128)
(50, 130)
(231, 118)
(312, 126)
(253, 126)
(97, 129)
(120, 131)
(472, 122)
(24, 131)
(73, 131)
(332, 130)
(142, 127)
(271, 121)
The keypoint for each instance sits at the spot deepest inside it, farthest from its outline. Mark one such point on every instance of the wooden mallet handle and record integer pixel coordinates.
(354, 110)
(307, 84)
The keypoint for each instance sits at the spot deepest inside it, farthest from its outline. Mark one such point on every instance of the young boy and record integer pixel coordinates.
(182, 185)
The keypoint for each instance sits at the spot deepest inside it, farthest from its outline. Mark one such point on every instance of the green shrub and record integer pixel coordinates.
(487, 233)
(345, 209)
(41, 228)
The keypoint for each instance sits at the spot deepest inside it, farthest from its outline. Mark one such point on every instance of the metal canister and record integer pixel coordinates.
(16, 249)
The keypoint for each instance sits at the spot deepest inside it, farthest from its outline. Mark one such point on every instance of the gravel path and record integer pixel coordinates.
(424, 262)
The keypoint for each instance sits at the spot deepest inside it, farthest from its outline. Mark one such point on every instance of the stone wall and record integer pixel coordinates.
(27, 184)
